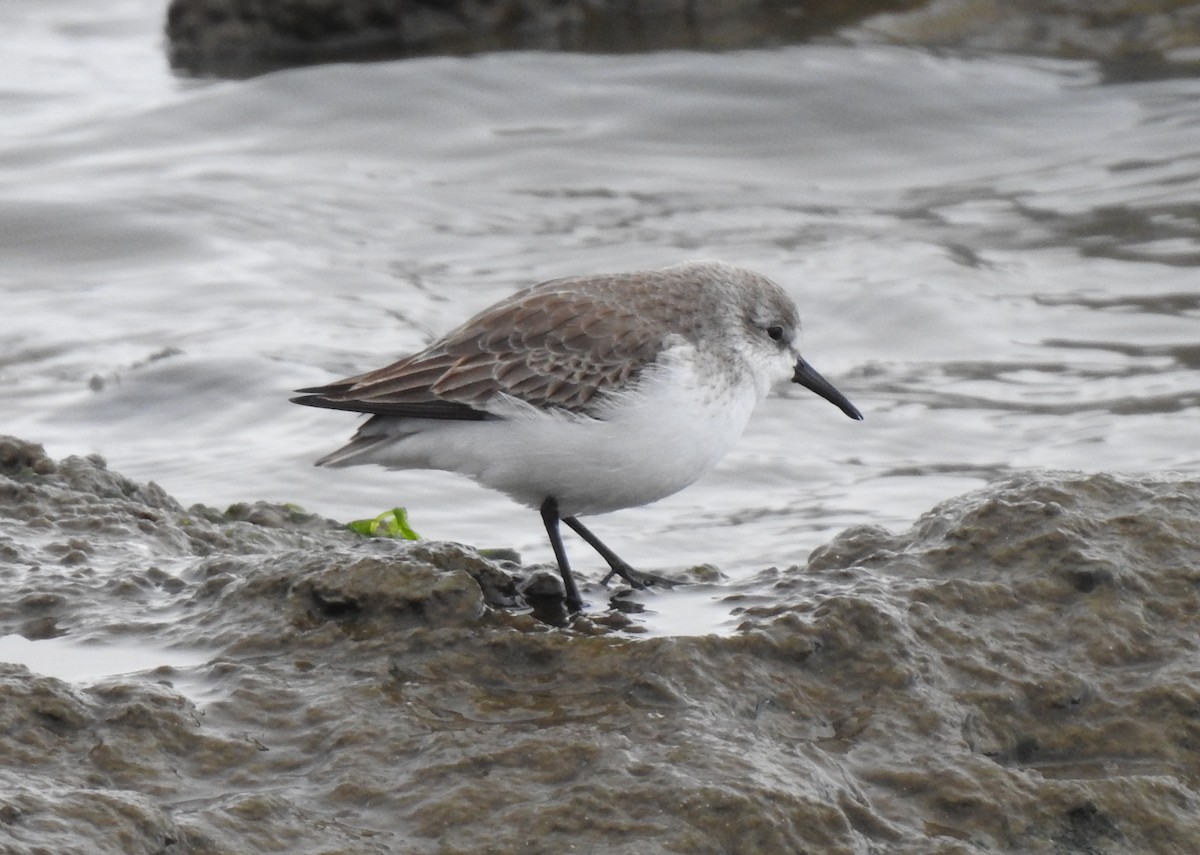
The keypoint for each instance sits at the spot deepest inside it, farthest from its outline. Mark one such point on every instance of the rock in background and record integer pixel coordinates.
(241, 37)
(245, 37)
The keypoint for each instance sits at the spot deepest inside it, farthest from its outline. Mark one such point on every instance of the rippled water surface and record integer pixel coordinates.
(994, 257)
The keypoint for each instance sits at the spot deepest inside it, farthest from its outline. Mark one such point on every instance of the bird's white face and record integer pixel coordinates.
(765, 337)
(767, 342)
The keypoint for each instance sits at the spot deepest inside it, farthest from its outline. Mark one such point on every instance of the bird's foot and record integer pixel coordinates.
(637, 579)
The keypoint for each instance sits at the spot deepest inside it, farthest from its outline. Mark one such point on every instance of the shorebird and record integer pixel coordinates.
(585, 395)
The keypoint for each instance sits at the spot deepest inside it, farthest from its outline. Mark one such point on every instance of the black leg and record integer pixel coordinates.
(550, 518)
(619, 568)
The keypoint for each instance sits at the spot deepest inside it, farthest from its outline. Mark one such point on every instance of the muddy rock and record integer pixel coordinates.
(1015, 673)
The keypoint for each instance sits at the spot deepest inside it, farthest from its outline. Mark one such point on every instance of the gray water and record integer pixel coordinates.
(994, 258)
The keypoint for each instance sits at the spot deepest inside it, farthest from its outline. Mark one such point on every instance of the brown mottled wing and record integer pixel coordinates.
(556, 346)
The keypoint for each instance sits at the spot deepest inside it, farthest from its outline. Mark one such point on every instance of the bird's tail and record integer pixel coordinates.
(352, 452)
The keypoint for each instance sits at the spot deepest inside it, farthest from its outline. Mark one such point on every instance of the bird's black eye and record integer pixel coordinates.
(776, 333)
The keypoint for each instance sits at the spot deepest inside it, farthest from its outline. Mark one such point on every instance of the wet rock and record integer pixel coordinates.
(21, 460)
(242, 37)
(245, 37)
(1131, 39)
(376, 596)
(1015, 673)
(66, 819)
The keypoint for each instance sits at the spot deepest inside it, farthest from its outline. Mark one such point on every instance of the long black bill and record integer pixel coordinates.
(808, 377)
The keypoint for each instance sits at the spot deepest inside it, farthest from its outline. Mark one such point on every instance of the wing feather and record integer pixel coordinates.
(557, 345)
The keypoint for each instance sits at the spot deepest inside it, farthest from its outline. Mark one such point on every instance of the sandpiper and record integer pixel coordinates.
(585, 395)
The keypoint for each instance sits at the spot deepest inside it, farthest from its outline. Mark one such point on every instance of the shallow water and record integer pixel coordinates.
(994, 257)
(66, 659)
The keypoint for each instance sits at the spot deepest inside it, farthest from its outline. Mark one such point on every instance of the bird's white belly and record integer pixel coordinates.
(647, 444)
(642, 452)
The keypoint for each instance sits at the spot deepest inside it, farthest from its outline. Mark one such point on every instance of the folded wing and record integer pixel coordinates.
(550, 346)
